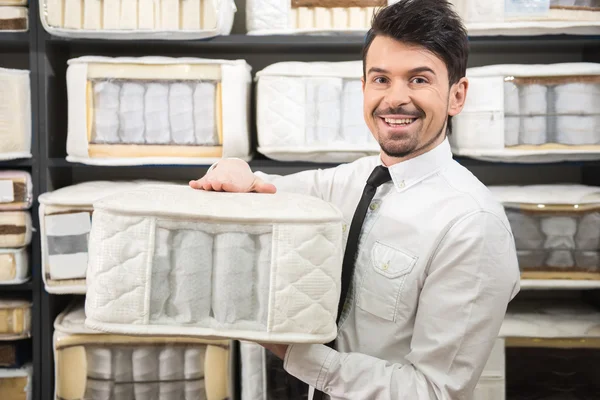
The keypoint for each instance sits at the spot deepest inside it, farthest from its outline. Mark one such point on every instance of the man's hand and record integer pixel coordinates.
(278, 349)
(232, 175)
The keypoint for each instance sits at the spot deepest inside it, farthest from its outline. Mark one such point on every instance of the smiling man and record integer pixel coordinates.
(430, 263)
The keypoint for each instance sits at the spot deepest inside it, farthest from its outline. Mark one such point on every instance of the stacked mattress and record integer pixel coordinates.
(138, 19)
(65, 222)
(531, 113)
(16, 383)
(15, 320)
(14, 16)
(15, 226)
(550, 346)
(15, 115)
(312, 111)
(515, 17)
(179, 261)
(93, 365)
(157, 110)
(556, 229)
(275, 17)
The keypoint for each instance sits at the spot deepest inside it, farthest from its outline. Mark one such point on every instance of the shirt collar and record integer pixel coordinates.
(407, 173)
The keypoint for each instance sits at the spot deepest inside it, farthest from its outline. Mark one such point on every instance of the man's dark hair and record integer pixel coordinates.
(431, 24)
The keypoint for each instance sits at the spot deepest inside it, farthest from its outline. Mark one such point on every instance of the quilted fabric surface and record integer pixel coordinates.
(249, 279)
(15, 114)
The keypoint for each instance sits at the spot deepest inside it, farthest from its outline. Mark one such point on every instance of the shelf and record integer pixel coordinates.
(23, 287)
(21, 162)
(17, 38)
(315, 42)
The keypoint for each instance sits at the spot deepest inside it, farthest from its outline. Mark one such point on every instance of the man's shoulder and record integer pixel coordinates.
(470, 194)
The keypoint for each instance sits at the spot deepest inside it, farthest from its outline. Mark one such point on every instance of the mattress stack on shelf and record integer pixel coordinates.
(312, 111)
(14, 16)
(15, 115)
(138, 19)
(157, 110)
(514, 17)
(15, 350)
(530, 113)
(15, 226)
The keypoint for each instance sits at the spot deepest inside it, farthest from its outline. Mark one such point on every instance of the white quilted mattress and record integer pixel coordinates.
(16, 383)
(312, 111)
(65, 221)
(13, 19)
(569, 319)
(556, 227)
(157, 110)
(531, 113)
(15, 115)
(291, 17)
(92, 365)
(515, 17)
(15, 229)
(14, 266)
(138, 19)
(15, 190)
(236, 265)
(15, 319)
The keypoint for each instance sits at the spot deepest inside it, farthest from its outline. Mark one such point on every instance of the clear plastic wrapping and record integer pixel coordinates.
(552, 110)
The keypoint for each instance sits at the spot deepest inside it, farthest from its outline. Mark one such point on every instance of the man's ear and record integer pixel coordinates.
(362, 81)
(458, 96)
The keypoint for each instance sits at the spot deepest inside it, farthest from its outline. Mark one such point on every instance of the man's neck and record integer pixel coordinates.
(389, 161)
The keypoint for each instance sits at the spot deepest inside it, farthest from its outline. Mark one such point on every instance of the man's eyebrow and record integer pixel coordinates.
(412, 71)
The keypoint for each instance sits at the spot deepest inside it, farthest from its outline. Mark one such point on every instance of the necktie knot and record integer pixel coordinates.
(379, 176)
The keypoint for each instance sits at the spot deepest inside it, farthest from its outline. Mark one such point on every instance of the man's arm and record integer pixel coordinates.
(235, 175)
(471, 278)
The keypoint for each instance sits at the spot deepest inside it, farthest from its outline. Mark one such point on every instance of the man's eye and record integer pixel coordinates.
(380, 79)
(419, 80)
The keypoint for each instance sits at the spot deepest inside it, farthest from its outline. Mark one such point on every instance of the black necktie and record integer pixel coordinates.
(379, 176)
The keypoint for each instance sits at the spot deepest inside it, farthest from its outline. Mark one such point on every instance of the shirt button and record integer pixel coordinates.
(373, 206)
(385, 267)
(344, 228)
(401, 184)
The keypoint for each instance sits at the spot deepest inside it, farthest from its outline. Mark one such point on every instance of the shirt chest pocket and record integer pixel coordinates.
(383, 280)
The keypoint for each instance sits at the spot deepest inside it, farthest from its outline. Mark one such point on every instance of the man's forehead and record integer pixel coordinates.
(391, 54)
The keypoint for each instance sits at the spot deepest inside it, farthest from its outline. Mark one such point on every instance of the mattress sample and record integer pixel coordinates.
(15, 229)
(157, 110)
(263, 376)
(15, 115)
(556, 229)
(14, 19)
(13, 2)
(16, 383)
(65, 218)
(312, 111)
(14, 266)
(257, 267)
(289, 17)
(93, 365)
(14, 354)
(530, 113)
(15, 190)
(15, 319)
(516, 17)
(138, 19)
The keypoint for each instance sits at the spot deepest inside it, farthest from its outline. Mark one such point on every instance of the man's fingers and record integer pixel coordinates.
(264, 187)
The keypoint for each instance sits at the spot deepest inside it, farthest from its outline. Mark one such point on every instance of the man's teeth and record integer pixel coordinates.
(404, 121)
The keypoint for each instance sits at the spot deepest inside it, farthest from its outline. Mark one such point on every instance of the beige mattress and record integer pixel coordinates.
(93, 365)
(15, 319)
(15, 229)
(13, 19)
(15, 190)
(14, 266)
(15, 384)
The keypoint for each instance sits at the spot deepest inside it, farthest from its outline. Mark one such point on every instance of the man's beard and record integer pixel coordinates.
(411, 147)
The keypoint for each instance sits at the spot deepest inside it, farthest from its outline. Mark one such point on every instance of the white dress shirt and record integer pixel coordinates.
(436, 268)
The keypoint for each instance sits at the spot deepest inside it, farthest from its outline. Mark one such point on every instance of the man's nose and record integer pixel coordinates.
(398, 94)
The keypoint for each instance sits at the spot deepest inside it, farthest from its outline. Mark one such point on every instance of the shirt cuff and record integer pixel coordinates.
(309, 363)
